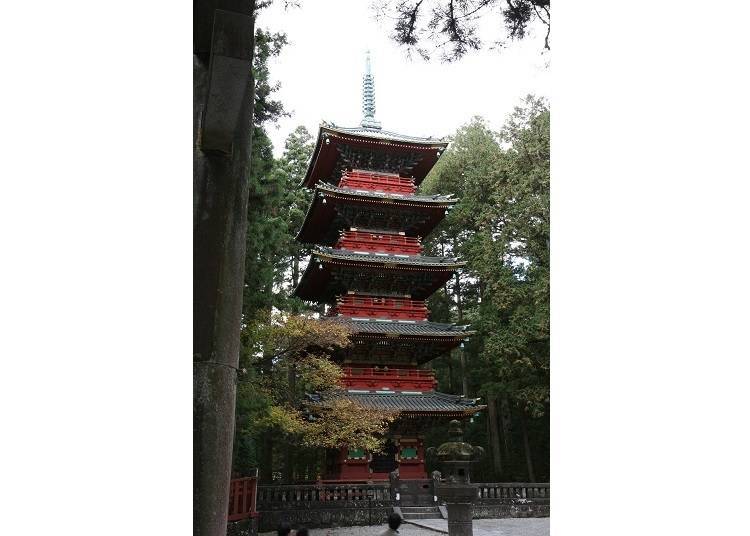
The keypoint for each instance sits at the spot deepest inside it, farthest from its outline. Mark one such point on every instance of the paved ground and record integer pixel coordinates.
(532, 526)
(405, 530)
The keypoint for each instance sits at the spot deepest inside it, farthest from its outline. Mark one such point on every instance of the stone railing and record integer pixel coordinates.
(506, 491)
(324, 504)
(511, 499)
(321, 493)
(270, 497)
(343, 504)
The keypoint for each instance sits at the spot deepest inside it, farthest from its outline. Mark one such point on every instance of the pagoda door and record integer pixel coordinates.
(385, 462)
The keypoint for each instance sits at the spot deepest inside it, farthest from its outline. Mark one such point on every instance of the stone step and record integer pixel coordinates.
(426, 500)
(420, 512)
(419, 509)
(409, 517)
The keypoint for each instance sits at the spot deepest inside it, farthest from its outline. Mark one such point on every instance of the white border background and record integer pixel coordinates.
(649, 277)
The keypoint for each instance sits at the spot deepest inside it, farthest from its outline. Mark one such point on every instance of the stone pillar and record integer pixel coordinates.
(223, 93)
(454, 484)
(458, 497)
(460, 519)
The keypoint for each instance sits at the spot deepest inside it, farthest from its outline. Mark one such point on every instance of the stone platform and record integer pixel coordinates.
(346, 505)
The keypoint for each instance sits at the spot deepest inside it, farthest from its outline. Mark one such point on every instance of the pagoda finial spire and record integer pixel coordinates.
(368, 97)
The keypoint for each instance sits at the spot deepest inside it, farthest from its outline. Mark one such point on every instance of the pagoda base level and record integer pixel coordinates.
(361, 473)
(405, 454)
(372, 477)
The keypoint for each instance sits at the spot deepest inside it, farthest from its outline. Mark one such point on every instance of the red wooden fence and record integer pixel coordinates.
(367, 378)
(242, 497)
(382, 182)
(375, 307)
(379, 242)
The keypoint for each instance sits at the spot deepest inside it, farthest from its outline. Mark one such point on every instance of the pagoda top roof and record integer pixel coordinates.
(386, 135)
(428, 402)
(399, 327)
(339, 148)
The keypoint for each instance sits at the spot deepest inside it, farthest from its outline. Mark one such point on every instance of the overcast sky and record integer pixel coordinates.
(321, 74)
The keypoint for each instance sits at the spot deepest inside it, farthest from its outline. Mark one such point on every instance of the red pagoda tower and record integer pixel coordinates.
(367, 223)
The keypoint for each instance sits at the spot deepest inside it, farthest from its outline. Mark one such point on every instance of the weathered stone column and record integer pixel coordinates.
(454, 485)
(458, 502)
(223, 96)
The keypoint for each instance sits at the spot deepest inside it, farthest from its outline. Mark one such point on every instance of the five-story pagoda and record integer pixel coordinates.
(367, 223)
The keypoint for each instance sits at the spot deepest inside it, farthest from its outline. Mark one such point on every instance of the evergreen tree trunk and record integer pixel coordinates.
(494, 434)
(507, 424)
(220, 199)
(288, 475)
(464, 379)
(462, 354)
(449, 359)
(526, 448)
(266, 465)
(295, 282)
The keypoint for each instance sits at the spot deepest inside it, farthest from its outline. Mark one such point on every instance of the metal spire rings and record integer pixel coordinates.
(368, 98)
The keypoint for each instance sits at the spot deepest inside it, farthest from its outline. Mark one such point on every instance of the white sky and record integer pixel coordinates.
(321, 74)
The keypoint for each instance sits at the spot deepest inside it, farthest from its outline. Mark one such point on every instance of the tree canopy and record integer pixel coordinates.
(500, 228)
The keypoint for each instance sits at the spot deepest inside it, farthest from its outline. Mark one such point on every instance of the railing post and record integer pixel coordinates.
(242, 492)
(236, 499)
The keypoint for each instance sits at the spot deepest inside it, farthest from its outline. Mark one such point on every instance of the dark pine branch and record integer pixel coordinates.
(406, 26)
(453, 22)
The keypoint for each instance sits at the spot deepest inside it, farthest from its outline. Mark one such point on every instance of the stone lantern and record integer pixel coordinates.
(454, 485)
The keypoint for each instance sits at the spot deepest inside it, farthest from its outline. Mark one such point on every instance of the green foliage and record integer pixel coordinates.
(500, 228)
(264, 404)
(266, 231)
(267, 45)
(290, 169)
(286, 359)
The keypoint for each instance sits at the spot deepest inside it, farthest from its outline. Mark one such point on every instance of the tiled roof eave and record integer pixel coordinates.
(419, 330)
(385, 136)
(336, 192)
(308, 214)
(428, 403)
(377, 139)
(377, 198)
(338, 256)
(426, 337)
(313, 160)
(470, 410)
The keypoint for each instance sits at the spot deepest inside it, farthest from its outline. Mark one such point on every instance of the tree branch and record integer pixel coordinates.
(546, 22)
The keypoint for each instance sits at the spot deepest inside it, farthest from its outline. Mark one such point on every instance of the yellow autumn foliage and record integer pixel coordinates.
(290, 357)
